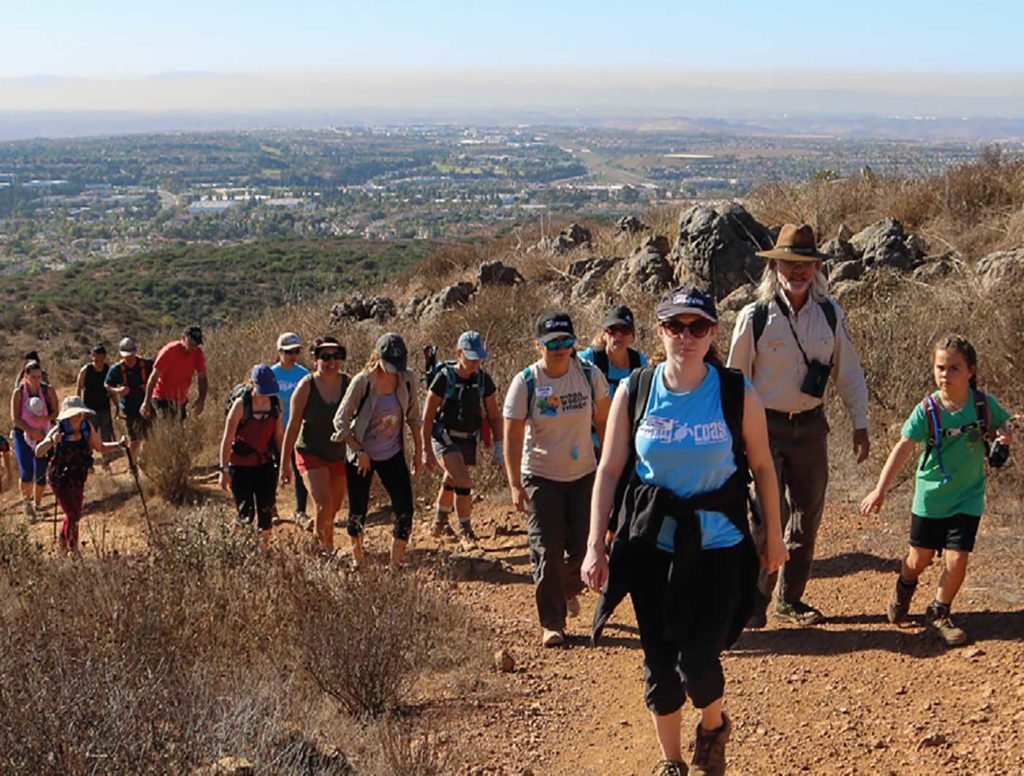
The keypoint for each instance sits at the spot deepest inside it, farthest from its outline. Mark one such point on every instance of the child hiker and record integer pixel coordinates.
(73, 440)
(949, 486)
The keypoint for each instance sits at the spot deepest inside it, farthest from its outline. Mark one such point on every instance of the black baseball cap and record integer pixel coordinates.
(553, 324)
(392, 351)
(687, 300)
(99, 350)
(618, 316)
(194, 333)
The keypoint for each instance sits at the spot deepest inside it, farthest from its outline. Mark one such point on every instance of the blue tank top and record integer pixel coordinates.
(684, 444)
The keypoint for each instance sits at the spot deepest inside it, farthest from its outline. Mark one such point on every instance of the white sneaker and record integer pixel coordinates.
(552, 638)
(572, 606)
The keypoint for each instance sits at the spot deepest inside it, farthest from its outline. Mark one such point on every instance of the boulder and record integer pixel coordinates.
(448, 298)
(630, 225)
(838, 250)
(496, 273)
(739, 298)
(915, 247)
(378, 308)
(883, 244)
(648, 270)
(933, 268)
(504, 662)
(1003, 270)
(719, 251)
(587, 285)
(846, 270)
(844, 289)
(582, 267)
(569, 239)
(844, 233)
(658, 243)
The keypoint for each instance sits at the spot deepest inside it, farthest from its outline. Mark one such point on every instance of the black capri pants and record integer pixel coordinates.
(255, 492)
(394, 476)
(674, 670)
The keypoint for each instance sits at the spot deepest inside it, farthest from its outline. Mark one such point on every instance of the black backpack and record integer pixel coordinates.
(601, 360)
(243, 391)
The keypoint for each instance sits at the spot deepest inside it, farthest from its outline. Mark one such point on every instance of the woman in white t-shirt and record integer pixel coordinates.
(549, 410)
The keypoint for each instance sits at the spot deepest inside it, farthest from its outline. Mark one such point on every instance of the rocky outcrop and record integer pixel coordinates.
(569, 239)
(590, 272)
(739, 298)
(377, 308)
(496, 273)
(838, 250)
(718, 250)
(630, 225)
(846, 270)
(884, 244)
(934, 268)
(648, 270)
(448, 298)
(1003, 270)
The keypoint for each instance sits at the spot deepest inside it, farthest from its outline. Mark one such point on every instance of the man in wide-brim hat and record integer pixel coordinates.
(789, 343)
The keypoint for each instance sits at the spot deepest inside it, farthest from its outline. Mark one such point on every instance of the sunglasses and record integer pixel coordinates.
(562, 343)
(334, 355)
(619, 329)
(291, 351)
(698, 329)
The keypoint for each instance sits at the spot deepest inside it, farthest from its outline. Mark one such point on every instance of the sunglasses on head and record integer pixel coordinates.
(698, 329)
(619, 329)
(562, 343)
(333, 355)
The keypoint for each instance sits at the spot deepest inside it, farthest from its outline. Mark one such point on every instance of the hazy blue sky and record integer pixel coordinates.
(136, 37)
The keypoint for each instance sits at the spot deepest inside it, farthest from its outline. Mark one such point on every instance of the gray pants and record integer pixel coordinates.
(800, 453)
(557, 528)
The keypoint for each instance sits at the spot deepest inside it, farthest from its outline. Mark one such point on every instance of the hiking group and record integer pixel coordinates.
(693, 484)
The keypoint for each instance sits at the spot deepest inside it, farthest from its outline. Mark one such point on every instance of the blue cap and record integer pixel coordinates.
(264, 381)
(472, 345)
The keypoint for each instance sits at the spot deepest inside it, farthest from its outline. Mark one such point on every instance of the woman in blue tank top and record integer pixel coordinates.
(684, 547)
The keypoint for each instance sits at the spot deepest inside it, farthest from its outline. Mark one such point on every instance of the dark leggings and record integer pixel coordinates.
(301, 494)
(71, 498)
(394, 476)
(255, 491)
(673, 670)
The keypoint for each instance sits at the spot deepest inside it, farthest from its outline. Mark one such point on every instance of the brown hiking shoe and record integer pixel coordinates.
(797, 613)
(899, 603)
(709, 750)
(669, 768)
(937, 616)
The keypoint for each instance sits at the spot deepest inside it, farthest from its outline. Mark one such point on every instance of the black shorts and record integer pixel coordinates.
(444, 444)
(138, 427)
(944, 533)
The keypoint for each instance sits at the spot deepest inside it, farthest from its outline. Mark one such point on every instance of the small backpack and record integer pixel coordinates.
(243, 391)
(936, 433)
(601, 361)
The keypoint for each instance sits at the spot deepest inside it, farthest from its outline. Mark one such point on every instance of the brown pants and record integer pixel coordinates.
(800, 453)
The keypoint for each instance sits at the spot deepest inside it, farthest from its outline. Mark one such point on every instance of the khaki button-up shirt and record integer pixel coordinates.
(776, 368)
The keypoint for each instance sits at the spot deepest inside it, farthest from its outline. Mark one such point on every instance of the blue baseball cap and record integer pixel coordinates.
(264, 381)
(472, 345)
(687, 300)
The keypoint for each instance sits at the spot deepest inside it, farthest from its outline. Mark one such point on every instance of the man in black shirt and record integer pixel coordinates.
(91, 386)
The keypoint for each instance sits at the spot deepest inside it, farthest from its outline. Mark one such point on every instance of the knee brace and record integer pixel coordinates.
(462, 491)
(403, 527)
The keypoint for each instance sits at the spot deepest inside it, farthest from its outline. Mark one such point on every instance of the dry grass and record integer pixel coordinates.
(163, 664)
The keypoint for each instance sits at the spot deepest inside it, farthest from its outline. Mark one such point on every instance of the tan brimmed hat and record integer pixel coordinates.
(794, 243)
(73, 405)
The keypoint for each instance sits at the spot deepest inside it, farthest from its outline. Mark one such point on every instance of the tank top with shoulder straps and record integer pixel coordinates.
(318, 424)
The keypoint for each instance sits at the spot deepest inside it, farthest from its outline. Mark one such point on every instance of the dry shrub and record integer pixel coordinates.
(163, 664)
(396, 629)
(399, 750)
(171, 450)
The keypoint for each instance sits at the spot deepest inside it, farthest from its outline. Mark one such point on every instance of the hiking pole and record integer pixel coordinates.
(134, 469)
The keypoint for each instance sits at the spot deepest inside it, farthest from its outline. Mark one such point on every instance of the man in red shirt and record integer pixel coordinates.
(169, 382)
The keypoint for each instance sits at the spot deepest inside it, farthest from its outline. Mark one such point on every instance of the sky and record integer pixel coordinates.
(248, 54)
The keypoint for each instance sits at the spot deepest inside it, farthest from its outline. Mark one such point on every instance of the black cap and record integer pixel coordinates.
(392, 351)
(99, 350)
(618, 316)
(31, 355)
(553, 324)
(687, 300)
(194, 333)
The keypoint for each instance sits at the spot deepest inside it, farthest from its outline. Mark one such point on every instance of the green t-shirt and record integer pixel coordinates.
(963, 456)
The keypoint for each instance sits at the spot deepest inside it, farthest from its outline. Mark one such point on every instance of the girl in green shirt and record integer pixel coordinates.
(949, 486)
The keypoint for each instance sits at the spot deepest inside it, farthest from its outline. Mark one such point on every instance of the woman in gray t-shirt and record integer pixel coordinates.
(550, 463)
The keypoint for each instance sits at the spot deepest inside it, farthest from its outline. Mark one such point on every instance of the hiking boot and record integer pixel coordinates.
(937, 616)
(709, 749)
(466, 533)
(572, 606)
(759, 617)
(552, 638)
(899, 603)
(797, 613)
(669, 768)
(442, 529)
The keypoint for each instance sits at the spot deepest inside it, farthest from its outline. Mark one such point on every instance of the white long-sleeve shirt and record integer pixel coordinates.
(777, 368)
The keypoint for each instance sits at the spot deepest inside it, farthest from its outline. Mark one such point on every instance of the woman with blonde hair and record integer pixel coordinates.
(379, 401)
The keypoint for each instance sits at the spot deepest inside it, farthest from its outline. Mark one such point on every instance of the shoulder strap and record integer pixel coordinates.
(246, 405)
(733, 393)
(981, 410)
(634, 359)
(601, 359)
(934, 416)
(639, 391)
(830, 313)
(760, 320)
(531, 388)
(589, 374)
(449, 379)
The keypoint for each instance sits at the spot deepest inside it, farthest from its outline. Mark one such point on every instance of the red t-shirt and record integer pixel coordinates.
(177, 367)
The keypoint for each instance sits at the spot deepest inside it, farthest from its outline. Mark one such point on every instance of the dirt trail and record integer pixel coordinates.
(855, 695)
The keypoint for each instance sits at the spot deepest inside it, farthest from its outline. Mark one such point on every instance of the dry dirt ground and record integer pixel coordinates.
(855, 695)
